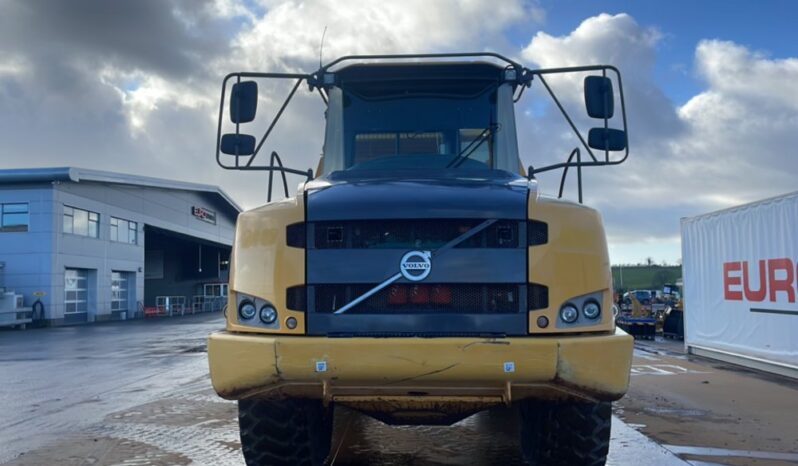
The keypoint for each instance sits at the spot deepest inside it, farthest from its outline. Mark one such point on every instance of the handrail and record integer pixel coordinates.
(578, 155)
(276, 158)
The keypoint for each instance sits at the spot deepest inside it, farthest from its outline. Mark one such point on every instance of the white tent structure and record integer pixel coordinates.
(740, 269)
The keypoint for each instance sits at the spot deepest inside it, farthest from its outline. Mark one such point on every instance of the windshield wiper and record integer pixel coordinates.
(471, 147)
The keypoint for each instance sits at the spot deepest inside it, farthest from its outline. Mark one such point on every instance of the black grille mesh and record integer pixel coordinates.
(460, 298)
(420, 233)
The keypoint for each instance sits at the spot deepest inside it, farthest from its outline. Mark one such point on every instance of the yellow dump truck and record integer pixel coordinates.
(419, 276)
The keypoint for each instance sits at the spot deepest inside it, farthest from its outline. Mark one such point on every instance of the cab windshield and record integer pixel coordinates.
(425, 127)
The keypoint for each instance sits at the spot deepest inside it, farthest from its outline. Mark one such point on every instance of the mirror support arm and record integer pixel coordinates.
(249, 165)
(568, 118)
(274, 122)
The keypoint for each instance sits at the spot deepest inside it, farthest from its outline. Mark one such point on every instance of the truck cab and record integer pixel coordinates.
(419, 276)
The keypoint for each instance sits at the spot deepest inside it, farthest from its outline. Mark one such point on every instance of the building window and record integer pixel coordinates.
(81, 222)
(76, 290)
(14, 217)
(215, 289)
(124, 231)
(119, 290)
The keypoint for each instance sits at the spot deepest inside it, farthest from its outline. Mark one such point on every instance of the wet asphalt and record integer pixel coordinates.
(138, 393)
(59, 381)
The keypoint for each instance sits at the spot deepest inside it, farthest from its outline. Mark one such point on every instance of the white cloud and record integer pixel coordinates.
(288, 36)
(605, 39)
(114, 99)
(13, 66)
(729, 144)
(749, 76)
(143, 94)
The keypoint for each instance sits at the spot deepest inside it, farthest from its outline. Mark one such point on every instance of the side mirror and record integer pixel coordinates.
(243, 102)
(599, 99)
(237, 144)
(606, 139)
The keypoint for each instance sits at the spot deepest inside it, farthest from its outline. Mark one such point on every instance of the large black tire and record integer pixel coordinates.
(284, 432)
(573, 434)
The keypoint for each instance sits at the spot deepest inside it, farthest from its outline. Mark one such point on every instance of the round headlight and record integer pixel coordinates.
(591, 310)
(569, 313)
(268, 314)
(247, 310)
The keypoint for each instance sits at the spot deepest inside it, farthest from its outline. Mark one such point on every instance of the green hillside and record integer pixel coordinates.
(647, 277)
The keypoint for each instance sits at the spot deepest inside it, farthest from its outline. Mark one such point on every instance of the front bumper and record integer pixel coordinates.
(502, 369)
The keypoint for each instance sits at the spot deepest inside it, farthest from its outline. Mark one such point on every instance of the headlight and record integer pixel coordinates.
(247, 310)
(569, 313)
(268, 314)
(591, 309)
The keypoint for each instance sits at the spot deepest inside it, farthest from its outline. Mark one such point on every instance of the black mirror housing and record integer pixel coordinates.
(237, 144)
(606, 139)
(599, 98)
(243, 102)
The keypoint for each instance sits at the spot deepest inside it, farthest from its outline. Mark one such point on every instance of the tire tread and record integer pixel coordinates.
(284, 432)
(573, 434)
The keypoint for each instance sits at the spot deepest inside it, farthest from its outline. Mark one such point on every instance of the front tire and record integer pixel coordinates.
(573, 434)
(284, 432)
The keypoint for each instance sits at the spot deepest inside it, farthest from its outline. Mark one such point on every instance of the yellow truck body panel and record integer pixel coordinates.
(594, 367)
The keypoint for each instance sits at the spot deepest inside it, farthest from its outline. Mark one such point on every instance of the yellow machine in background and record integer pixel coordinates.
(420, 277)
(641, 314)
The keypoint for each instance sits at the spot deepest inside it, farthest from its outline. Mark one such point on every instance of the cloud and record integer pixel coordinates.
(746, 75)
(133, 87)
(727, 145)
(288, 36)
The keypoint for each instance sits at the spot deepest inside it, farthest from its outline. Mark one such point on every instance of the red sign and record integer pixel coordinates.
(204, 214)
(776, 278)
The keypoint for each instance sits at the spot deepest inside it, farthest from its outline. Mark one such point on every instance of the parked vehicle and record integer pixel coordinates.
(418, 275)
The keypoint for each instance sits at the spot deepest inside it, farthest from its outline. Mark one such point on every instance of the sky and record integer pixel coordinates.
(711, 90)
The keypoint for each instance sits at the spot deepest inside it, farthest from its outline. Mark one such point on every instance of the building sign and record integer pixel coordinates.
(204, 214)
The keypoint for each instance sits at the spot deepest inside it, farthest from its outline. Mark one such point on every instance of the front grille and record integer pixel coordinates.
(413, 234)
(460, 298)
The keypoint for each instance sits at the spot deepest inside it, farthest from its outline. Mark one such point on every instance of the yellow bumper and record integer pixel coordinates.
(589, 367)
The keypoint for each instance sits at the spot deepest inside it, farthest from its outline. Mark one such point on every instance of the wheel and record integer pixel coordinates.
(284, 432)
(573, 434)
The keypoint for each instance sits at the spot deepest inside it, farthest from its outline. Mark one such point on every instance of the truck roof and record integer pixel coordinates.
(458, 78)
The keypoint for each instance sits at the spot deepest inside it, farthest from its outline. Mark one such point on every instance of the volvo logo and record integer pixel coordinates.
(416, 265)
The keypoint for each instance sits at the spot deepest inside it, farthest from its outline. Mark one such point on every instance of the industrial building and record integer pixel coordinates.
(85, 245)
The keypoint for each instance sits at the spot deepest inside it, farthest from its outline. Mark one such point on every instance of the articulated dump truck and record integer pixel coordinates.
(419, 276)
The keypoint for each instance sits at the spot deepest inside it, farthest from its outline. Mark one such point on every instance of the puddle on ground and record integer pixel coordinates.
(676, 411)
(683, 450)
